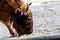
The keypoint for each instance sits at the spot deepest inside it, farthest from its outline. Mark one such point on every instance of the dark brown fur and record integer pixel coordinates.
(8, 15)
(24, 24)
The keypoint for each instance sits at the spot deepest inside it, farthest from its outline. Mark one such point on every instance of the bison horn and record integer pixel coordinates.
(30, 3)
(28, 6)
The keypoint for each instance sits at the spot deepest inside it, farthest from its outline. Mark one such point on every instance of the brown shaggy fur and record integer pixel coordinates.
(22, 25)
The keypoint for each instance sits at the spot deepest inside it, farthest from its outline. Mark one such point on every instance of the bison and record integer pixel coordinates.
(18, 13)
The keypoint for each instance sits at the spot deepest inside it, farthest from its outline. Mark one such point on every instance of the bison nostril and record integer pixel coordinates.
(29, 31)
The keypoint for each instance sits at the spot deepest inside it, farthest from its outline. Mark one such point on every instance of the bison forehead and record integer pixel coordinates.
(20, 20)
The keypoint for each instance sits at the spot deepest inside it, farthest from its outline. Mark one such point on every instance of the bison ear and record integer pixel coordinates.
(28, 6)
(30, 3)
(18, 11)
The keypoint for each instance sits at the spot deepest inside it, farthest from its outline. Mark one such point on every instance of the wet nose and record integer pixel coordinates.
(30, 31)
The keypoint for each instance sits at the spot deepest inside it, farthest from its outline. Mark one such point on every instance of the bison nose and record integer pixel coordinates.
(30, 31)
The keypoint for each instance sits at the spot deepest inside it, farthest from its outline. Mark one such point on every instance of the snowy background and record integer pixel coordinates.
(46, 16)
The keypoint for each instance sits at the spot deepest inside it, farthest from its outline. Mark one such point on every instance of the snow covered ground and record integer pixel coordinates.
(46, 21)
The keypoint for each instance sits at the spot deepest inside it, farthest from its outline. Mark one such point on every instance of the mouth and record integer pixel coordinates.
(28, 32)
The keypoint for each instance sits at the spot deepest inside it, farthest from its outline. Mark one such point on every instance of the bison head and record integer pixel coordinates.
(20, 15)
(22, 19)
(24, 23)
